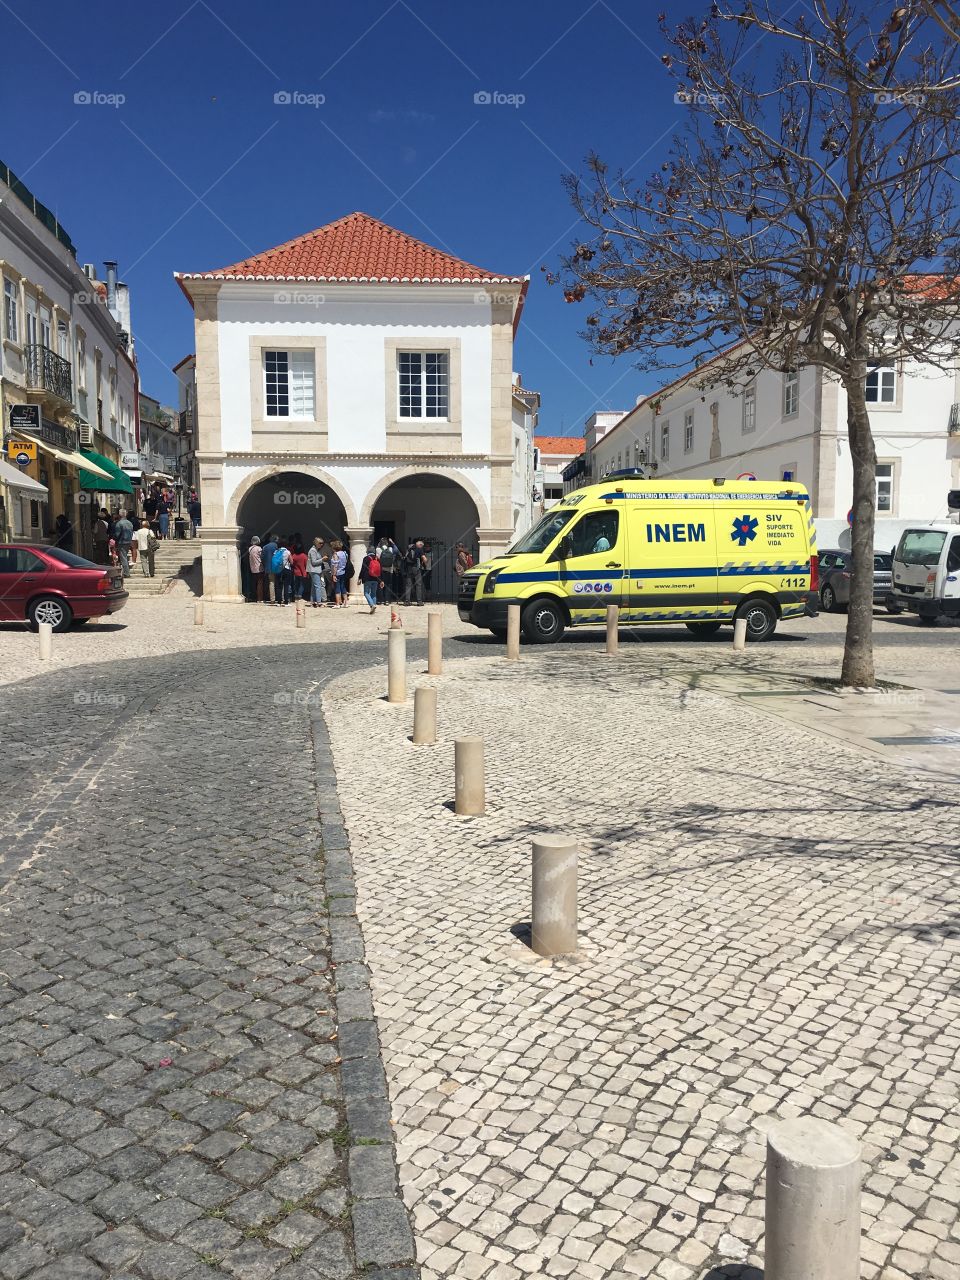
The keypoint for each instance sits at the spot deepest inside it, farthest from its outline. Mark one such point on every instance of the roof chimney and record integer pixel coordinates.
(111, 268)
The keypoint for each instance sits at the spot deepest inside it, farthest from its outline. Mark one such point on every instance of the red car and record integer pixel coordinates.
(46, 584)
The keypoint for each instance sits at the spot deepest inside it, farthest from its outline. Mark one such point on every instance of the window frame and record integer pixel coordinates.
(882, 367)
(689, 424)
(11, 309)
(893, 480)
(749, 420)
(423, 355)
(665, 441)
(791, 391)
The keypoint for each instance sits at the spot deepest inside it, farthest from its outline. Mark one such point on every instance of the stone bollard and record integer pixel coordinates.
(554, 915)
(813, 1202)
(45, 632)
(613, 630)
(513, 632)
(434, 644)
(425, 716)
(740, 635)
(396, 665)
(198, 614)
(469, 789)
(301, 615)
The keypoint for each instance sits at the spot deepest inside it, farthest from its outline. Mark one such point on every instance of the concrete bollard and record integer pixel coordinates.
(301, 615)
(198, 614)
(470, 788)
(740, 634)
(45, 632)
(425, 716)
(613, 630)
(813, 1202)
(513, 632)
(396, 665)
(434, 644)
(554, 915)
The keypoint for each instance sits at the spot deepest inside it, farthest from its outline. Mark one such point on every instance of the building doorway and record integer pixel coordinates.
(441, 513)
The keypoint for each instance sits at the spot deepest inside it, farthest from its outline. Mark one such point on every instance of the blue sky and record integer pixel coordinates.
(199, 166)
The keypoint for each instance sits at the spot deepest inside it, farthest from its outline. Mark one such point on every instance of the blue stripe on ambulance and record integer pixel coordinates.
(602, 575)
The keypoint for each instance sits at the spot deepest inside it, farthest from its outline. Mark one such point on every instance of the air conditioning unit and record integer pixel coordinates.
(86, 434)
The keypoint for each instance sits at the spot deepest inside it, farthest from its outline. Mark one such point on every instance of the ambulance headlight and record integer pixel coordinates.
(491, 582)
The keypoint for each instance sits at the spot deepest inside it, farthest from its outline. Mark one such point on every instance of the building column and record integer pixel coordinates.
(221, 563)
(360, 536)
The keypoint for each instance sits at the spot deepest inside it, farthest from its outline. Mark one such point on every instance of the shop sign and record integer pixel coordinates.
(22, 452)
(24, 417)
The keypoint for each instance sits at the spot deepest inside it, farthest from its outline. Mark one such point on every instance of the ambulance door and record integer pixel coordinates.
(591, 560)
(763, 551)
(673, 563)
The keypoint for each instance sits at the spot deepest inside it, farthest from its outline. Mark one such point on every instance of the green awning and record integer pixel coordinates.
(119, 481)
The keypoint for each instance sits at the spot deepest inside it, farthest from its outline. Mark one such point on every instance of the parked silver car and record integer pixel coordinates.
(835, 570)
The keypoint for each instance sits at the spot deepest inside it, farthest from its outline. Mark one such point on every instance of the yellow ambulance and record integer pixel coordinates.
(700, 552)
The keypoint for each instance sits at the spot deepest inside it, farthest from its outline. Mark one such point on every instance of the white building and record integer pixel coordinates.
(526, 414)
(351, 382)
(64, 353)
(554, 454)
(794, 427)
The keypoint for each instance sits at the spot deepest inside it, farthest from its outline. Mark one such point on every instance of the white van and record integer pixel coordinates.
(926, 571)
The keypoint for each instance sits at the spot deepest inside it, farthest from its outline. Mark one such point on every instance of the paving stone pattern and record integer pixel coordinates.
(179, 985)
(769, 928)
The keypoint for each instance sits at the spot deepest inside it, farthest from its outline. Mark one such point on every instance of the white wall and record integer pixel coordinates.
(356, 321)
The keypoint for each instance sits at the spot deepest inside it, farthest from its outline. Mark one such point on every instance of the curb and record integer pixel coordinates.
(382, 1234)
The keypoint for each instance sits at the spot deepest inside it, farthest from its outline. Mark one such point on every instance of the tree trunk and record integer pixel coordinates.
(858, 669)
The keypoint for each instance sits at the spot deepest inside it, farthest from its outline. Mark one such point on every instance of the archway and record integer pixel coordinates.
(436, 509)
(291, 504)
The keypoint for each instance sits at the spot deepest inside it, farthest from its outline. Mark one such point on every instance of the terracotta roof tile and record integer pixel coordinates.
(357, 249)
(560, 444)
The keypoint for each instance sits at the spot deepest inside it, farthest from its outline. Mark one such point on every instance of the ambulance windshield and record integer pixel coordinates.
(542, 534)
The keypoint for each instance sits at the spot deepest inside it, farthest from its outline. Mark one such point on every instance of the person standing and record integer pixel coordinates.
(255, 561)
(370, 572)
(268, 549)
(64, 533)
(301, 583)
(426, 563)
(386, 554)
(147, 545)
(123, 533)
(193, 510)
(101, 539)
(412, 573)
(163, 516)
(316, 563)
(338, 568)
(286, 573)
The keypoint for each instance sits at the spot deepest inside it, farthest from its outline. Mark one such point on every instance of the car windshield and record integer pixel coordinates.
(883, 562)
(68, 558)
(921, 546)
(542, 534)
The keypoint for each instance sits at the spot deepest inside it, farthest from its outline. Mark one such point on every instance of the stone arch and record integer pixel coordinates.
(276, 469)
(410, 472)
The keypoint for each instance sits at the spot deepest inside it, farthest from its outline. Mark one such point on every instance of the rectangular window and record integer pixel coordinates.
(423, 384)
(885, 487)
(750, 409)
(665, 441)
(45, 332)
(31, 320)
(688, 431)
(11, 322)
(81, 362)
(63, 339)
(881, 384)
(289, 384)
(791, 393)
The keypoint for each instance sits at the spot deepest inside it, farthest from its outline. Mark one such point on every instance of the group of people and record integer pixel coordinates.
(322, 573)
(123, 540)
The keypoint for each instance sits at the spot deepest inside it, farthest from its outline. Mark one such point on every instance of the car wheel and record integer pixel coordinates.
(927, 622)
(761, 619)
(703, 629)
(893, 608)
(50, 609)
(542, 622)
(828, 598)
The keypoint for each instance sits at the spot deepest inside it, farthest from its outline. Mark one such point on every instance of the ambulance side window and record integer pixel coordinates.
(953, 557)
(595, 533)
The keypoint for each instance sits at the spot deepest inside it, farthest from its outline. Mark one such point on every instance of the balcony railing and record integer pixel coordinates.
(46, 371)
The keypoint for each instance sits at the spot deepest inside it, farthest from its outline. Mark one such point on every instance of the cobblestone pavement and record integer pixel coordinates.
(769, 926)
(190, 1083)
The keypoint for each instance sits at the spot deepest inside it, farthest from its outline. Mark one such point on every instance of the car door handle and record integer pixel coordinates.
(614, 564)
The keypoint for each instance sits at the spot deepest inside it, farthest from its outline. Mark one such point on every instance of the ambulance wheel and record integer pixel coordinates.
(542, 622)
(761, 619)
(499, 633)
(703, 629)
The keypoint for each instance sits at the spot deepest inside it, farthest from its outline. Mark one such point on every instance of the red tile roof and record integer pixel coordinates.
(355, 249)
(560, 444)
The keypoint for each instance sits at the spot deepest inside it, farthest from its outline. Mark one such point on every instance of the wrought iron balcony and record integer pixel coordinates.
(46, 371)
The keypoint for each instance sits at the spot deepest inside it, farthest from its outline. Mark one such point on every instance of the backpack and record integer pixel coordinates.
(469, 560)
(349, 571)
(373, 567)
(410, 557)
(276, 561)
(386, 559)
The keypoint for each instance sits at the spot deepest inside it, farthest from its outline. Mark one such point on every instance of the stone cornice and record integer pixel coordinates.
(390, 460)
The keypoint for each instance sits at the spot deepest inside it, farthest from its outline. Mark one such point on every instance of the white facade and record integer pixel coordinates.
(347, 454)
(794, 427)
(526, 408)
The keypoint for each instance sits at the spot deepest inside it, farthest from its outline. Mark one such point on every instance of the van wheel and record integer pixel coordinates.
(499, 633)
(703, 629)
(542, 622)
(761, 619)
(892, 608)
(926, 622)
